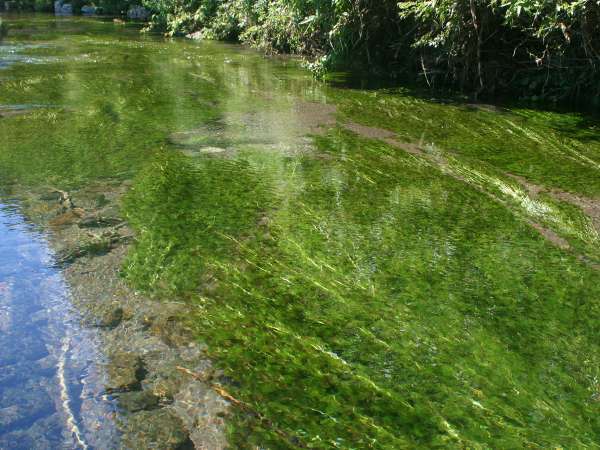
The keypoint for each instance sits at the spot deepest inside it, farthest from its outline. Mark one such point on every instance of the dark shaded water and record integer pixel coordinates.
(51, 387)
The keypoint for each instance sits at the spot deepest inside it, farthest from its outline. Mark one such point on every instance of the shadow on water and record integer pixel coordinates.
(582, 121)
(403, 85)
(51, 384)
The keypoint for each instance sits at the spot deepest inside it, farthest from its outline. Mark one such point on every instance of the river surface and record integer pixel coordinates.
(371, 268)
(52, 391)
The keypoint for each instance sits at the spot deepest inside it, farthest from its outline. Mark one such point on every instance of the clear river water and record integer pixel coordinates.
(369, 268)
(52, 391)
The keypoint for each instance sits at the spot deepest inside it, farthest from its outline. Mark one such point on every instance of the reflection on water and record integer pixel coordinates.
(50, 385)
(12, 54)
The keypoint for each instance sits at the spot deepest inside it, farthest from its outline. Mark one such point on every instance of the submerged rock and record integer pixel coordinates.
(89, 10)
(43, 435)
(63, 199)
(138, 401)
(196, 35)
(110, 318)
(98, 245)
(160, 429)
(95, 221)
(125, 371)
(51, 196)
(196, 404)
(30, 401)
(62, 9)
(208, 151)
(166, 382)
(212, 150)
(138, 13)
(10, 415)
(66, 218)
(170, 329)
(146, 342)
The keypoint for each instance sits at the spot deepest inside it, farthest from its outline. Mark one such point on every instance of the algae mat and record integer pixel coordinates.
(369, 269)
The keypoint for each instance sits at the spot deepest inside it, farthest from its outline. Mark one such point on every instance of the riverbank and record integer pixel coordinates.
(543, 53)
(536, 51)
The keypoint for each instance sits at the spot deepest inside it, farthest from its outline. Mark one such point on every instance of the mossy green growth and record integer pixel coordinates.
(184, 213)
(82, 100)
(355, 295)
(548, 148)
(381, 305)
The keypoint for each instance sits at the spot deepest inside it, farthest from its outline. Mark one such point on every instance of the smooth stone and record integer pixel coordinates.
(89, 10)
(62, 9)
(196, 35)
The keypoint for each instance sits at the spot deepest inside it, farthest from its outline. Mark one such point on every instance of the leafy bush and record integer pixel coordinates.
(114, 7)
(43, 6)
(535, 49)
(29, 5)
(548, 49)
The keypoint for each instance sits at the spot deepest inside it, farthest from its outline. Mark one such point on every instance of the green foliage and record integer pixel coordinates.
(535, 49)
(43, 6)
(31, 5)
(115, 7)
(546, 49)
(331, 33)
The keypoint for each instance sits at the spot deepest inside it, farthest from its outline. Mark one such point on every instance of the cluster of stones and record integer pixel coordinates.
(158, 372)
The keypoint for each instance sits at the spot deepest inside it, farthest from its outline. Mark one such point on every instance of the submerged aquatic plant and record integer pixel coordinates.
(355, 295)
(382, 304)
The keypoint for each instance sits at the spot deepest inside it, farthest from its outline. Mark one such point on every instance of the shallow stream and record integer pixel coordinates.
(369, 268)
(51, 384)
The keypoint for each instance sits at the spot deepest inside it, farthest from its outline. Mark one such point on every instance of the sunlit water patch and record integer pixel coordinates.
(51, 385)
(19, 53)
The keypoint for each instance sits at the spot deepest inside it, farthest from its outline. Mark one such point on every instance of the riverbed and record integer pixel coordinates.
(52, 388)
(245, 254)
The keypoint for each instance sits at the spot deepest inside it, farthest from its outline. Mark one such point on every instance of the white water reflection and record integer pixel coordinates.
(13, 54)
(51, 382)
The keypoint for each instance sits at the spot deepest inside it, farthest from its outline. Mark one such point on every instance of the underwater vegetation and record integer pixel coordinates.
(372, 302)
(412, 274)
